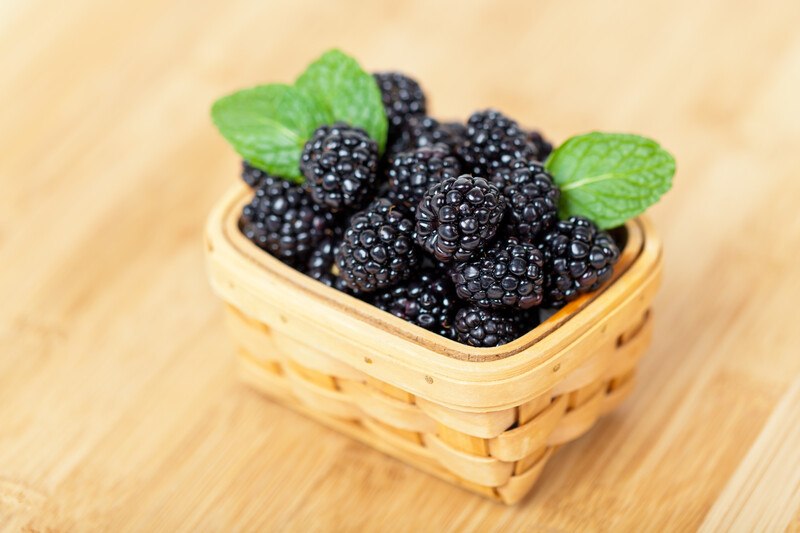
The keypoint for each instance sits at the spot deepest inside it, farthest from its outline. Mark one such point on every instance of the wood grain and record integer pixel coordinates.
(119, 404)
(764, 493)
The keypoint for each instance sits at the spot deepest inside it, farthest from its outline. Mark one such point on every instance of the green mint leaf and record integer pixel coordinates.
(351, 95)
(610, 177)
(268, 126)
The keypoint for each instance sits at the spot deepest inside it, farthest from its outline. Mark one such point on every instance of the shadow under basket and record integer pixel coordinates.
(486, 419)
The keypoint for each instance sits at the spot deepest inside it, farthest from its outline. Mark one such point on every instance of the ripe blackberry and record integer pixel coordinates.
(420, 131)
(532, 199)
(402, 98)
(509, 274)
(411, 174)
(458, 216)
(252, 176)
(485, 328)
(578, 258)
(321, 264)
(542, 145)
(493, 141)
(378, 248)
(340, 165)
(282, 219)
(426, 301)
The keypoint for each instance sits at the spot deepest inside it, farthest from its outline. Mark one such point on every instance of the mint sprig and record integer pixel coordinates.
(269, 125)
(610, 177)
(347, 92)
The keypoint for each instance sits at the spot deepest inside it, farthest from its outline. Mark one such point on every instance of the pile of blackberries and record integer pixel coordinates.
(454, 228)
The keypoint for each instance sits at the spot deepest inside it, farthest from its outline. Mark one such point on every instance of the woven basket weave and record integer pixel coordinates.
(487, 419)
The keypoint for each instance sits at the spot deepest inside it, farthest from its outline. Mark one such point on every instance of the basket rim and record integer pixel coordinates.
(421, 362)
(642, 246)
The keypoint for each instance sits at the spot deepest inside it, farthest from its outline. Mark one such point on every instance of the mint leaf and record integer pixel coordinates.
(268, 126)
(350, 95)
(610, 177)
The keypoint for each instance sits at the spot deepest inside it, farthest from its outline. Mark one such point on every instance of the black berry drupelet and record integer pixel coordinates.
(493, 141)
(402, 98)
(510, 274)
(578, 259)
(532, 199)
(411, 174)
(421, 130)
(458, 216)
(485, 328)
(340, 164)
(378, 248)
(283, 220)
(425, 300)
(252, 176)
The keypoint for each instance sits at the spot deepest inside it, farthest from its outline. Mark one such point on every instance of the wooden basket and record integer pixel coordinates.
(487, 419)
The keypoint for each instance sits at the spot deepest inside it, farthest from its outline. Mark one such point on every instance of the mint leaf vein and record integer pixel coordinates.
(610, 177)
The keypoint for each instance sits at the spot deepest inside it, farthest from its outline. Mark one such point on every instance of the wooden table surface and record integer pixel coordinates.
(119, 405)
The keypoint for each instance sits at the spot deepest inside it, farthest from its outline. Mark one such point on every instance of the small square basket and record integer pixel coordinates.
(486, 419)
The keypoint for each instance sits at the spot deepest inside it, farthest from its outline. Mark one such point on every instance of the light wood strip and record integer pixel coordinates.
(764, 493)
(527, 438)
(462, 441)
(530, 409)
(484, 471)
(483, 425)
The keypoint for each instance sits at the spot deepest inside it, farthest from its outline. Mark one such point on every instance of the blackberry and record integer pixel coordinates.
(426, 301)
(485, 328)
(421, 131)
(532, 199)
(252, 176)
(492, 142)
(411, 174)
(378, 248)
(340, 164)
(321, 264)
(282, 219)
(510, 274)
(402, 98)
(578, 258)
(458, 216)
(542, 145)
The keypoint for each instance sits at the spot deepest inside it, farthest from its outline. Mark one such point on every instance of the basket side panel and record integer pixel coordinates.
(345, 351)
(489, 427)
(500, 455)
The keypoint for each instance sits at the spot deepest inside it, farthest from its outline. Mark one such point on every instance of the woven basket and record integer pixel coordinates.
(487, 419)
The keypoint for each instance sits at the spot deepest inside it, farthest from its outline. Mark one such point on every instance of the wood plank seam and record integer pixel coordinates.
(764, 492)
